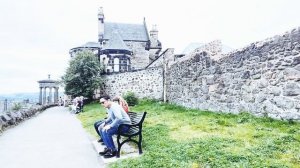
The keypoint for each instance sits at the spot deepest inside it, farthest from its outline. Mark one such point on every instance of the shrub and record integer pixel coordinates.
(131, 99)
(16, 106)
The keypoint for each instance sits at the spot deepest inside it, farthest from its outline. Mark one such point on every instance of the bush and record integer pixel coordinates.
(16, 106)
(131, 99)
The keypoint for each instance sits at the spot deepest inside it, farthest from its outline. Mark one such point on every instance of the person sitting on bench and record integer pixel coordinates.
(116, 116)
(122, 102)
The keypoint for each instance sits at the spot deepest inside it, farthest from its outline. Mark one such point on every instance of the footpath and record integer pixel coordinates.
(52, 139)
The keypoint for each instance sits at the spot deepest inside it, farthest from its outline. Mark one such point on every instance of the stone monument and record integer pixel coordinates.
(48, 84)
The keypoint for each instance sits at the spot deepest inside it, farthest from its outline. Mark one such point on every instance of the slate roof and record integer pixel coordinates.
(115, 42)
(90, 45)
(127, 32)
(87, 45)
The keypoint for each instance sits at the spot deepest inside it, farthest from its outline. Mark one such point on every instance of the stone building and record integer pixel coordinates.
(123, 47)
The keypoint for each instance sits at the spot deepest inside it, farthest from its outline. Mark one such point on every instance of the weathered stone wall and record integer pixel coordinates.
(167, 55)
(140, 56)
(13, 118)
(214, 49)
(144, 83)
(262, 78)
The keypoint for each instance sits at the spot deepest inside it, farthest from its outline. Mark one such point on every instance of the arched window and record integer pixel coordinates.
(116, 65)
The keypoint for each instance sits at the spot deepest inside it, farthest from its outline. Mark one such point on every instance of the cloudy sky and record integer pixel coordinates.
(36, 35)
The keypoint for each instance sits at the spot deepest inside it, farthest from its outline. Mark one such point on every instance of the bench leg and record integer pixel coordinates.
(119, 146)
(140, 144)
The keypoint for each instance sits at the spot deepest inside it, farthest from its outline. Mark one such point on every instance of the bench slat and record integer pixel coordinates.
(137, 120)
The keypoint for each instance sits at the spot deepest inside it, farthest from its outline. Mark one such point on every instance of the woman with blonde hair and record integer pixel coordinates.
(122, 102)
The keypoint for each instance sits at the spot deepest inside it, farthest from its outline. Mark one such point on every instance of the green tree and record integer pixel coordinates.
(82, 77)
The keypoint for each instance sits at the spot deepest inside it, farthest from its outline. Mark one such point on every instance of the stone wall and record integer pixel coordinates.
(214, 49)
(167, 55)
(144, 83)
(262, 78)
(13, 118)
(140, 56)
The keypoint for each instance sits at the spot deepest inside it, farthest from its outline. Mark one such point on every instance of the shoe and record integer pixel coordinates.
(110, 154)
(100, 140)
(104, 152)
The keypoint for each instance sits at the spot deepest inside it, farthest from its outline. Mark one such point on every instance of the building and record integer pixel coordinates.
(123, 47)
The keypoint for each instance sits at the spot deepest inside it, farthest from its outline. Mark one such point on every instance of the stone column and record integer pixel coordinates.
(5, 105)
(56, 95)
(40, 98)
(50, 95)
(44, 96)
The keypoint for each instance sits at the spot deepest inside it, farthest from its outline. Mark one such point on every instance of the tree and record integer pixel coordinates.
(82, 77)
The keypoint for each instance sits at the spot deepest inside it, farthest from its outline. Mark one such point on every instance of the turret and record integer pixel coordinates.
(100, 25)
(155, 43)
(154, 33)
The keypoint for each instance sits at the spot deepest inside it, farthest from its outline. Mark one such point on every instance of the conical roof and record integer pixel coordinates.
(115, 43)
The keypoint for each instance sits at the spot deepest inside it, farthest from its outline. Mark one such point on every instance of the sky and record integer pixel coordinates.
(35, 35)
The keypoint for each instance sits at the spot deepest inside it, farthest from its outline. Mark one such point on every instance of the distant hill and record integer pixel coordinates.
(33, 97)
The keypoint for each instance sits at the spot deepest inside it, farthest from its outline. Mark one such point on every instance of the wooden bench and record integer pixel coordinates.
(135, 129)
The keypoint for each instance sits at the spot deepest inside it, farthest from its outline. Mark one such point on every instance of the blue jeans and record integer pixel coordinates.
(96, 125)
(107, 136)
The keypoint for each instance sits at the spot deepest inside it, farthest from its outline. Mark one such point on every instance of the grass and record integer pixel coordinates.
(175, 136)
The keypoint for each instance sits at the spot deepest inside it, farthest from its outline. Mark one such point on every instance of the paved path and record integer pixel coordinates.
(52, 139)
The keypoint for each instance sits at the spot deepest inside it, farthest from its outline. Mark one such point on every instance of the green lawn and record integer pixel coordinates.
(174, 136)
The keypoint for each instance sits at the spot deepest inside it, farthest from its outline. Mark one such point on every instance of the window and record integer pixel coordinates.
(116, 65)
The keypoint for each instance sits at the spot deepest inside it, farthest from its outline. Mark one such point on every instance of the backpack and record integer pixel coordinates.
(125, 107)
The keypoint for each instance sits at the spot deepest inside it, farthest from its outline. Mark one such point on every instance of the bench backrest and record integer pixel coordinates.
(137, 118)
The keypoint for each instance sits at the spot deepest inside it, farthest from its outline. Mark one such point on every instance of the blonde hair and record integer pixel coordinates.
(121, 102)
